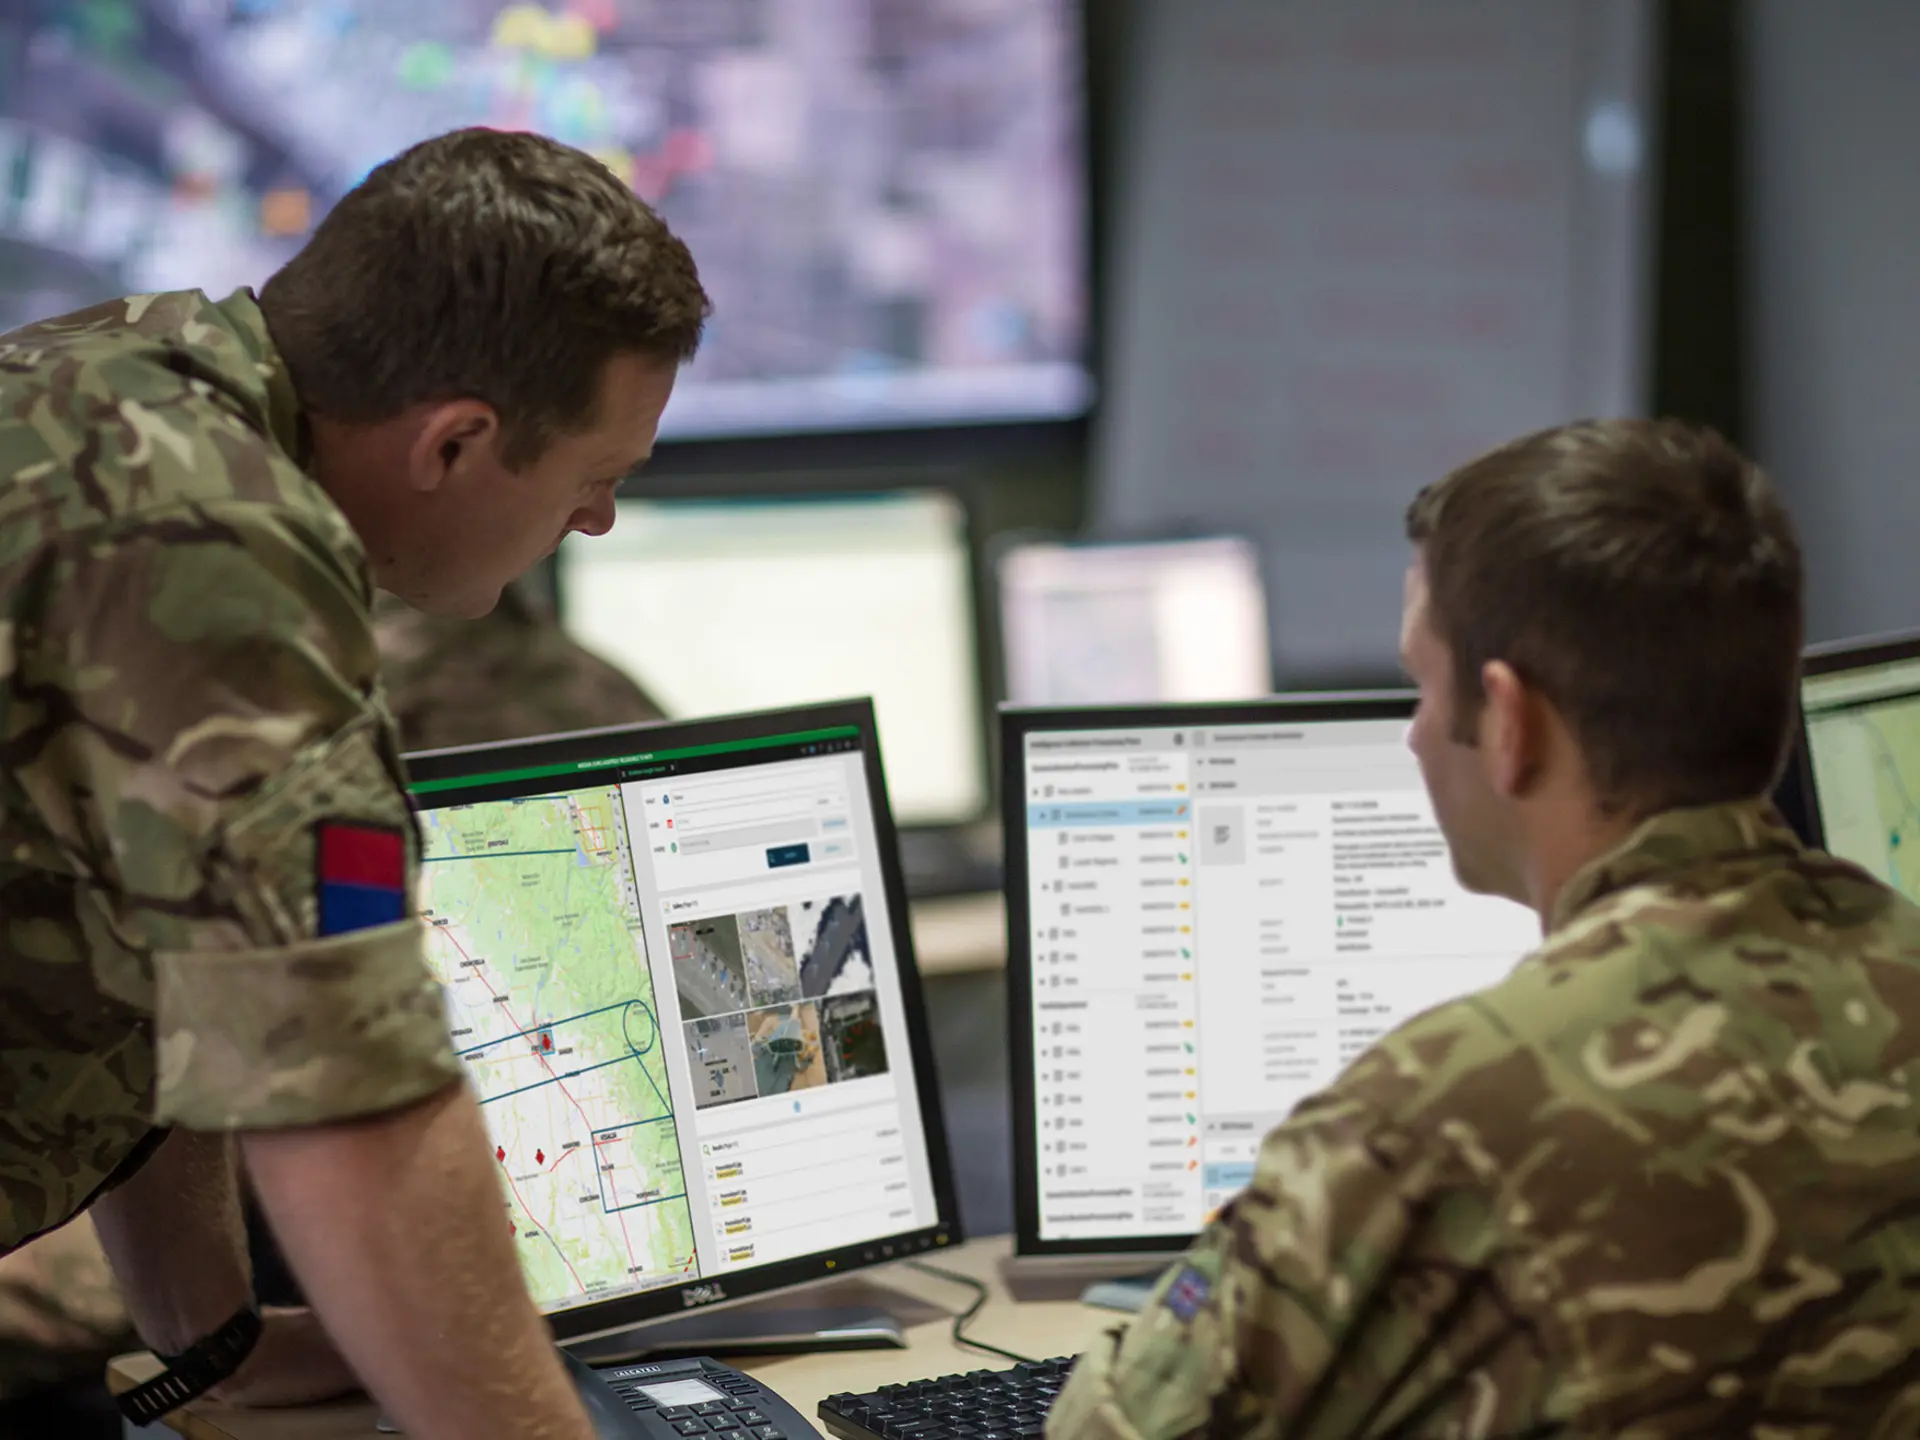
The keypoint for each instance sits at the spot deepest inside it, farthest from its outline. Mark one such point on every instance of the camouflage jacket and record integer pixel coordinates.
(206, 857)
(1663, 1180)
(511, 674)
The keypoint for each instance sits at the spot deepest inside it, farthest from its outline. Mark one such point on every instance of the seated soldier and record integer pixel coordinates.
(1661, 1180)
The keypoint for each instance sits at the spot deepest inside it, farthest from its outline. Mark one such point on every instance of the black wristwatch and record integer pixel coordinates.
(195, 1370)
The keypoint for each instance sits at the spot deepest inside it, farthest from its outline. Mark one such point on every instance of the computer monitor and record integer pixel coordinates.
(1212, 909)
(737, 604)
(1095, 623)
(677, 965)
(887, 202)
(1857, 767)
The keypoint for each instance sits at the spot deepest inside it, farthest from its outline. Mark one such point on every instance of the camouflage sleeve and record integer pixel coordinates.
(209, 752)
(1340, 1294)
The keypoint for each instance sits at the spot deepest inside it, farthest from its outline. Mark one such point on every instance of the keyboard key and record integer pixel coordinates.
(749, 1417)
(676, 1412)
(690, 1426)
(765, 1432)
(743, 1403)
(712, 1407)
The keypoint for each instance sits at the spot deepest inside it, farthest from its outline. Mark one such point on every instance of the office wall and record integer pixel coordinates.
(1352, 246)
(1834, 295)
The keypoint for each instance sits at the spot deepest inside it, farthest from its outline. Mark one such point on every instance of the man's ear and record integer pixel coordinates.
(452, 437)
(1512, 730)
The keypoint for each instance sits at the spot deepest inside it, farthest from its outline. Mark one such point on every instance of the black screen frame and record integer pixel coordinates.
(584, 1322)
(1016, 724)
(1798, 794)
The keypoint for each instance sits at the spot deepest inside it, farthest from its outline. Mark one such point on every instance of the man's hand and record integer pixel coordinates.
(175, 1240)
(177, 1243)
(294, 1363)
(397, 1228)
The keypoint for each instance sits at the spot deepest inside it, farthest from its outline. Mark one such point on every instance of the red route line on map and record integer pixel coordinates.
(541, 1057)
(581, 1284)
(538, 1055)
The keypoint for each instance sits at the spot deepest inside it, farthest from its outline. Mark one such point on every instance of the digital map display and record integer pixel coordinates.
(1866, 766)
(535, 935)
(884, 197)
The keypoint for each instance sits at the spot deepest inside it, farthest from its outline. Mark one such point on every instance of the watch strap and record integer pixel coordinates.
(195, 1370)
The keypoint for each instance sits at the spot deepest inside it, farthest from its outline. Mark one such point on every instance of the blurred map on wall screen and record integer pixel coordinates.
(885, 197)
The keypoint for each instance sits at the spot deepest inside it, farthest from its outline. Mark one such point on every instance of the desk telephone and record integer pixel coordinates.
(677, 1400)
(690, 1399)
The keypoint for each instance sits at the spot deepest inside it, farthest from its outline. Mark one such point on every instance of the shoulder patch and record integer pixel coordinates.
(361, 875)
(1188, 1294)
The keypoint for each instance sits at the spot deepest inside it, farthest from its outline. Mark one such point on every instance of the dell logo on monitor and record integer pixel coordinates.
(702, 1294)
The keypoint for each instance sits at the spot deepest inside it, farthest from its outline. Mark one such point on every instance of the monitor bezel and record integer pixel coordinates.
(1016, 724)
(755, 490)
(1798, 794)
(592, 1321)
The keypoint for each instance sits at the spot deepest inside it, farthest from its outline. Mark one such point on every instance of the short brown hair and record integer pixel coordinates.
(1643, 576)
(487, 264)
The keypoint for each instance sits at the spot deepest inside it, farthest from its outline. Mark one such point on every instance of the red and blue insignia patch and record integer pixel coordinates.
(361, 873)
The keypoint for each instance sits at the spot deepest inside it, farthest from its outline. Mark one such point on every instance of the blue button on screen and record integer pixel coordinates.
(784, 855)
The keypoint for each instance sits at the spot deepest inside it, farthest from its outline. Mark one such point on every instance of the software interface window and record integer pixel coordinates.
(1161, 620)
(1222, 918)
(1863, 734)
(673, 982)
(723, 606)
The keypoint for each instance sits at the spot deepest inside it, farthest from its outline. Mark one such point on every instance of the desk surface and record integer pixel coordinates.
(1039, 1329)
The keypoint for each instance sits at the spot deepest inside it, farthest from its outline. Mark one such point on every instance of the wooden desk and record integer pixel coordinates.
(1043, 1329)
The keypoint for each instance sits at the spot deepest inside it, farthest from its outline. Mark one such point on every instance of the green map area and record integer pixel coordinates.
(535, 934)
(1866, 766)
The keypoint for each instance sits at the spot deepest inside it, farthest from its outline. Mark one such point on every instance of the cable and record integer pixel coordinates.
(981, 1295)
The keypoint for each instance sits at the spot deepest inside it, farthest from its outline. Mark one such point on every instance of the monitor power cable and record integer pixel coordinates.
(962, 1320)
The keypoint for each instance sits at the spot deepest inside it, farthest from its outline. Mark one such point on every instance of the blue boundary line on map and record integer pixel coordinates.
(556, 1024)
(556, 1079)
(495, 855)
(600, 1176)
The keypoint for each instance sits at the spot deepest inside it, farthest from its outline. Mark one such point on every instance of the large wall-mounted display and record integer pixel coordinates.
(886, 197)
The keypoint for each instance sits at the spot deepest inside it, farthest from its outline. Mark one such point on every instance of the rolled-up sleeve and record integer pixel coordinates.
(215, 759)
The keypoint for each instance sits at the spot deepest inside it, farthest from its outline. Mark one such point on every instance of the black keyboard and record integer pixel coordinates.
(980, 1405)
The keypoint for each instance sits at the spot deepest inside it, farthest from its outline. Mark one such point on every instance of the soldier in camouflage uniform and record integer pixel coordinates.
(207, 860)
(509, 674)
(1664, 1180)
(513, 674)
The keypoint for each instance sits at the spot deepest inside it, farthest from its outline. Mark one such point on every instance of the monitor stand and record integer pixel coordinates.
(767, 1329)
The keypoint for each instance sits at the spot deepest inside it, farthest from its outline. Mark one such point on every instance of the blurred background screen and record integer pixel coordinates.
(886, 197)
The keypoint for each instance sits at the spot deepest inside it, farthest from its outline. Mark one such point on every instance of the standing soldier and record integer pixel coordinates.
(207, 950)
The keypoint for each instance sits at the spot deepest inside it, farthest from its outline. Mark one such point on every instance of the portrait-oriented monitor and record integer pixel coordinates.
(677, 968)
(739, 604)
(886, 201)
(1858, 763)
(1090, 623)
(1212, 909)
